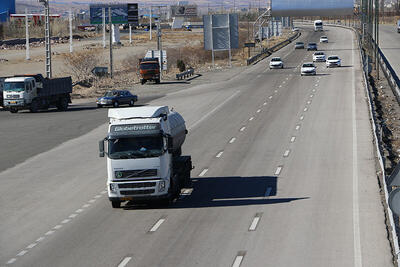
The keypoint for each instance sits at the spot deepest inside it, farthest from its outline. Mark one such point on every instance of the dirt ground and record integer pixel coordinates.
(185, 45)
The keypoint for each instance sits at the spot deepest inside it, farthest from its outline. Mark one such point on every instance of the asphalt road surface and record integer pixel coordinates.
(389, 42)
(285, 176)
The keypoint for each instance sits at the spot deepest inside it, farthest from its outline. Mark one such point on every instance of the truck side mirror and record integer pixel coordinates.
(170, 144)
(101, 148)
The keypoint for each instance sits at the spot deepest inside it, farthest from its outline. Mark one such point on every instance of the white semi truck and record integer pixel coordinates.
(318, 25)
(34, 92)
(144, 161)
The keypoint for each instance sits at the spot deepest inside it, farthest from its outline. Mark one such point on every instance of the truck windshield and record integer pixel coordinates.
(135, 147)
(150, 66)
(14, 86)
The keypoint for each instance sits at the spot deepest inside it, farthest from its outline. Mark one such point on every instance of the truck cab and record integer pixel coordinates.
(149, 69)
(144, 161)
(19, 91)
(318, 25)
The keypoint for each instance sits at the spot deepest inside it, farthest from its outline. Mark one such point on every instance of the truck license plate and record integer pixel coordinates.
(126, 198)
(13, 102)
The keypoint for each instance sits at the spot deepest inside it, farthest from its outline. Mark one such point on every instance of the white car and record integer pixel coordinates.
(333, 61)
(276, 63)
(319, 57)
(295, 29)
(323, 39)
(308, 69)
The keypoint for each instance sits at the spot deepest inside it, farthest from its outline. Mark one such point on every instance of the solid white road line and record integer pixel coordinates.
(219, 154)
(40, 239)
(286, 154)
(157, 225)
(232, 140)
(278, 170)
(124, 262)
(12, 261)
(203, 172)
(243, 128)
(238, 261)
(212, 111)
(356, 211)
(293, 139)
(254, 223)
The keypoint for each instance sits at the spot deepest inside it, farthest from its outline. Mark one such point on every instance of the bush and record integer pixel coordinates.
(180, 65)
(80, 64)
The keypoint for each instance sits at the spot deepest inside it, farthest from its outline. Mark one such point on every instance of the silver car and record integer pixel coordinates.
(333, 61)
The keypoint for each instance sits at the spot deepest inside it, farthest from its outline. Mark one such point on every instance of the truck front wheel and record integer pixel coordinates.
(116, 204)
(13, 110)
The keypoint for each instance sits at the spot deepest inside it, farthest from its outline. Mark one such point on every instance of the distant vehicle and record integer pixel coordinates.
(116, 98)
(144, 155)
(333, 61)
(308, 69)
(276, 63)
(149, 69)
(35, 92)
(398, 26)
(312, 46)
(318, 25)
(319, 57)
(295, 29)
(323, 39)
(299, 45)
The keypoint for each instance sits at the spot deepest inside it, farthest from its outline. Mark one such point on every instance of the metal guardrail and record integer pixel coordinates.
(185, 74)
(265, 52)
(389, 72)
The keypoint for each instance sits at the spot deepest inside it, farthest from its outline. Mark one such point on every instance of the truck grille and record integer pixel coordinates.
(138, 185)
(138, 192)
(13, 96)
(135, 173)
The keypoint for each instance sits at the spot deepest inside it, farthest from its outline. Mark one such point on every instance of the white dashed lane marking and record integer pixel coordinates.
(286, 154)
(232, 140)
(278, 170)
(124, 262)
(293, 139)
(157, 225)
(219, 154)
(243, 128)
(203, 172)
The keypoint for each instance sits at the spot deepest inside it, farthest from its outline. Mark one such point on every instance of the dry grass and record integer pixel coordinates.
(15, 29)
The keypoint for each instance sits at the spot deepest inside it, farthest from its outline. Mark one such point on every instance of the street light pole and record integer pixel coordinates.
(47, 37)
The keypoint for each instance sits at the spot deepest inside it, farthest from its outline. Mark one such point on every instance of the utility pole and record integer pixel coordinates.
(111, 55)
(47, 37)
(150, 22)
(159, 44)
(104, 27)
(377, 38)
(70, 31)
(27, 57)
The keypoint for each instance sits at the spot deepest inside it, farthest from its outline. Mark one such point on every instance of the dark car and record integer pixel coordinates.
(299, 45)
(116, 98)
(312, 46)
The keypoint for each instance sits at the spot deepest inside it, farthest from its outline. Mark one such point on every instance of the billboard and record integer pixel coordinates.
(133, 14)
(221, 32)
(184, 11)
(119, 13)
(299, 8)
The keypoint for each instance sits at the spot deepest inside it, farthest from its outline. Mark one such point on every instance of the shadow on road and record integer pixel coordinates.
(228, 192)
(194, 77)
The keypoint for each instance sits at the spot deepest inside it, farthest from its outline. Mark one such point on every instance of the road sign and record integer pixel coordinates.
(156, 53)
(184, 11)
(221, 32)
(133, 14)
(298, 8)
(394, 201)
(119, 13)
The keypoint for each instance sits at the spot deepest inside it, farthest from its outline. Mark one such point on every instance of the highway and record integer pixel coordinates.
(389, 42)
(284, 176)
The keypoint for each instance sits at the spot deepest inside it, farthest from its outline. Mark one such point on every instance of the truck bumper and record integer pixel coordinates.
(14, 103)
(138, 190)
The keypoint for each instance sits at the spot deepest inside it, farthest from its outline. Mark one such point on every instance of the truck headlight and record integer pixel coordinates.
(113, 187)
(161, 186)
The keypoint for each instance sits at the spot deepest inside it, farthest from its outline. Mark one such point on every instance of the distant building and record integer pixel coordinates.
(7, 7)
